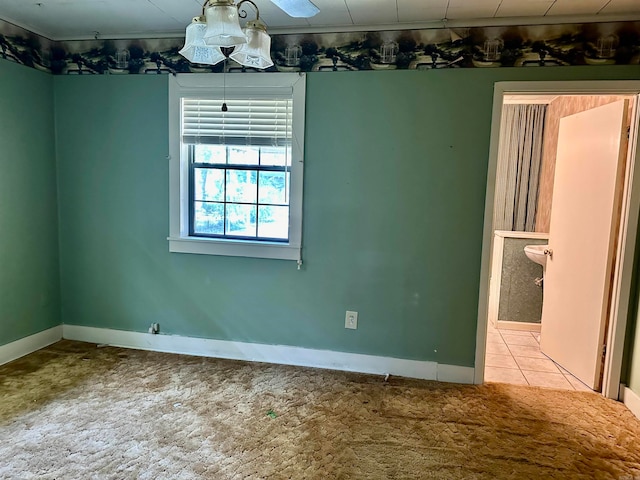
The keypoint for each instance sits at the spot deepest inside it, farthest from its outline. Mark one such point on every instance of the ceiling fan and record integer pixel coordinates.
(297, 8)
(216, 34)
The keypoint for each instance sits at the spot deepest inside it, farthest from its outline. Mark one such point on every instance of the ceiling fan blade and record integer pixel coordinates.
(297, 8)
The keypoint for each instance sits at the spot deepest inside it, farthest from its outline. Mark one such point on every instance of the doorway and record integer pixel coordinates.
(492, 340)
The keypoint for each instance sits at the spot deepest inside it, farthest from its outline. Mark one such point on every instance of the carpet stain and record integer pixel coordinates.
(75, 411)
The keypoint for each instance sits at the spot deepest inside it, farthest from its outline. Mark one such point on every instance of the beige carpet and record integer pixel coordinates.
(76, 411)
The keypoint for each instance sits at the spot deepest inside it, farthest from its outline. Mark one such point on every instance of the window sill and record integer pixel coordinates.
(234, 248)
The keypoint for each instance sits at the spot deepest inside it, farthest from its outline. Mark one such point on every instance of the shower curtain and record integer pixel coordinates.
(519, 159)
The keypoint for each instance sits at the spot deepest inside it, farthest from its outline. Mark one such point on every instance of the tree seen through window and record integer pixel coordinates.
(240, 191)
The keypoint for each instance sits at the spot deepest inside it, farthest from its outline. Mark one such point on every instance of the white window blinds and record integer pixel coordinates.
(247, 121)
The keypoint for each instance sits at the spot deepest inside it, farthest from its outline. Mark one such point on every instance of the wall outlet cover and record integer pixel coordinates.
(351, 320)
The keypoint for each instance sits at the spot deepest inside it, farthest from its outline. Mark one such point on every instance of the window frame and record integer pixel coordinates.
(291, 85)
(226, 167)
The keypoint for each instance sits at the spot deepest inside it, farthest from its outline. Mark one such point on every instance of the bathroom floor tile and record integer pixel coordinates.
(523, 333)
(577, 384)
(498, 349)
(514, 356)
(536, 364)
(494, 337)
(525, 340)
(549, 380)
(526, 351)
(504, 375)
(504, 361)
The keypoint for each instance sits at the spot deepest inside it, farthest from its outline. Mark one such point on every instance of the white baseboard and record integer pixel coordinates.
(281, 354)
(632, 400)
(30, 344)
(526, 326)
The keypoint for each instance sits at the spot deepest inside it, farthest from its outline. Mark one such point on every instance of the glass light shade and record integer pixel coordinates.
(256, 52)
(223, 26)
(195, 50)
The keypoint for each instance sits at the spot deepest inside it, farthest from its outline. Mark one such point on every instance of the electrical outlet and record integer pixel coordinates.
(154, 328)
(351, 320)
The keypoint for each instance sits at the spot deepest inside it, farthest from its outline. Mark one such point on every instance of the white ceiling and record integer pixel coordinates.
(81, 19)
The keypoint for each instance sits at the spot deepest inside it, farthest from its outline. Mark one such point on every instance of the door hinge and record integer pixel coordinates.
(628, 132)
(604, 349)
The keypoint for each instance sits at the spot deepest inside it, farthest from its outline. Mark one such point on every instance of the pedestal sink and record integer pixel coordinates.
(536, 253)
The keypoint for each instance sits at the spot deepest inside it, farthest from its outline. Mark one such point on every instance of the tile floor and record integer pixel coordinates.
(514, 357)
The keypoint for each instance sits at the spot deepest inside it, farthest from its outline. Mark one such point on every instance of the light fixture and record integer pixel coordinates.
(219, 27)
(256, 52)
(223, 24)
(195, 50)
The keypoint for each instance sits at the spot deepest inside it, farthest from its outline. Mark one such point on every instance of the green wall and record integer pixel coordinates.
(632, 375)
(395, 180)
(631, 360)
(394, 189)
(29, 272)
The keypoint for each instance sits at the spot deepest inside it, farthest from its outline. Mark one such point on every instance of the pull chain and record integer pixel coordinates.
(224, 86)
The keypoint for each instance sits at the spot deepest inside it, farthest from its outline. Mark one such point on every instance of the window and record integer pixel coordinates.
(236, 176)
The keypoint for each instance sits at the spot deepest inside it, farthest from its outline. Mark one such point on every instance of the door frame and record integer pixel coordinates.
(628, 232)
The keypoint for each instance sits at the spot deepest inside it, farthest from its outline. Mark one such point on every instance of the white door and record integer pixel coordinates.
(585, 213)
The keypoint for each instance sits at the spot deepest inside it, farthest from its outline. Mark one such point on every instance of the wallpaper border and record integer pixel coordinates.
(613, 43)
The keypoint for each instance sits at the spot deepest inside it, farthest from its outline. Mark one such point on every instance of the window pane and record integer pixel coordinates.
(273, 222)
(273, 156)
(274, 188)
(243, 155)
(210, 154)
(208, 218)
(241, 220)
(242, 186)
(209, 184)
